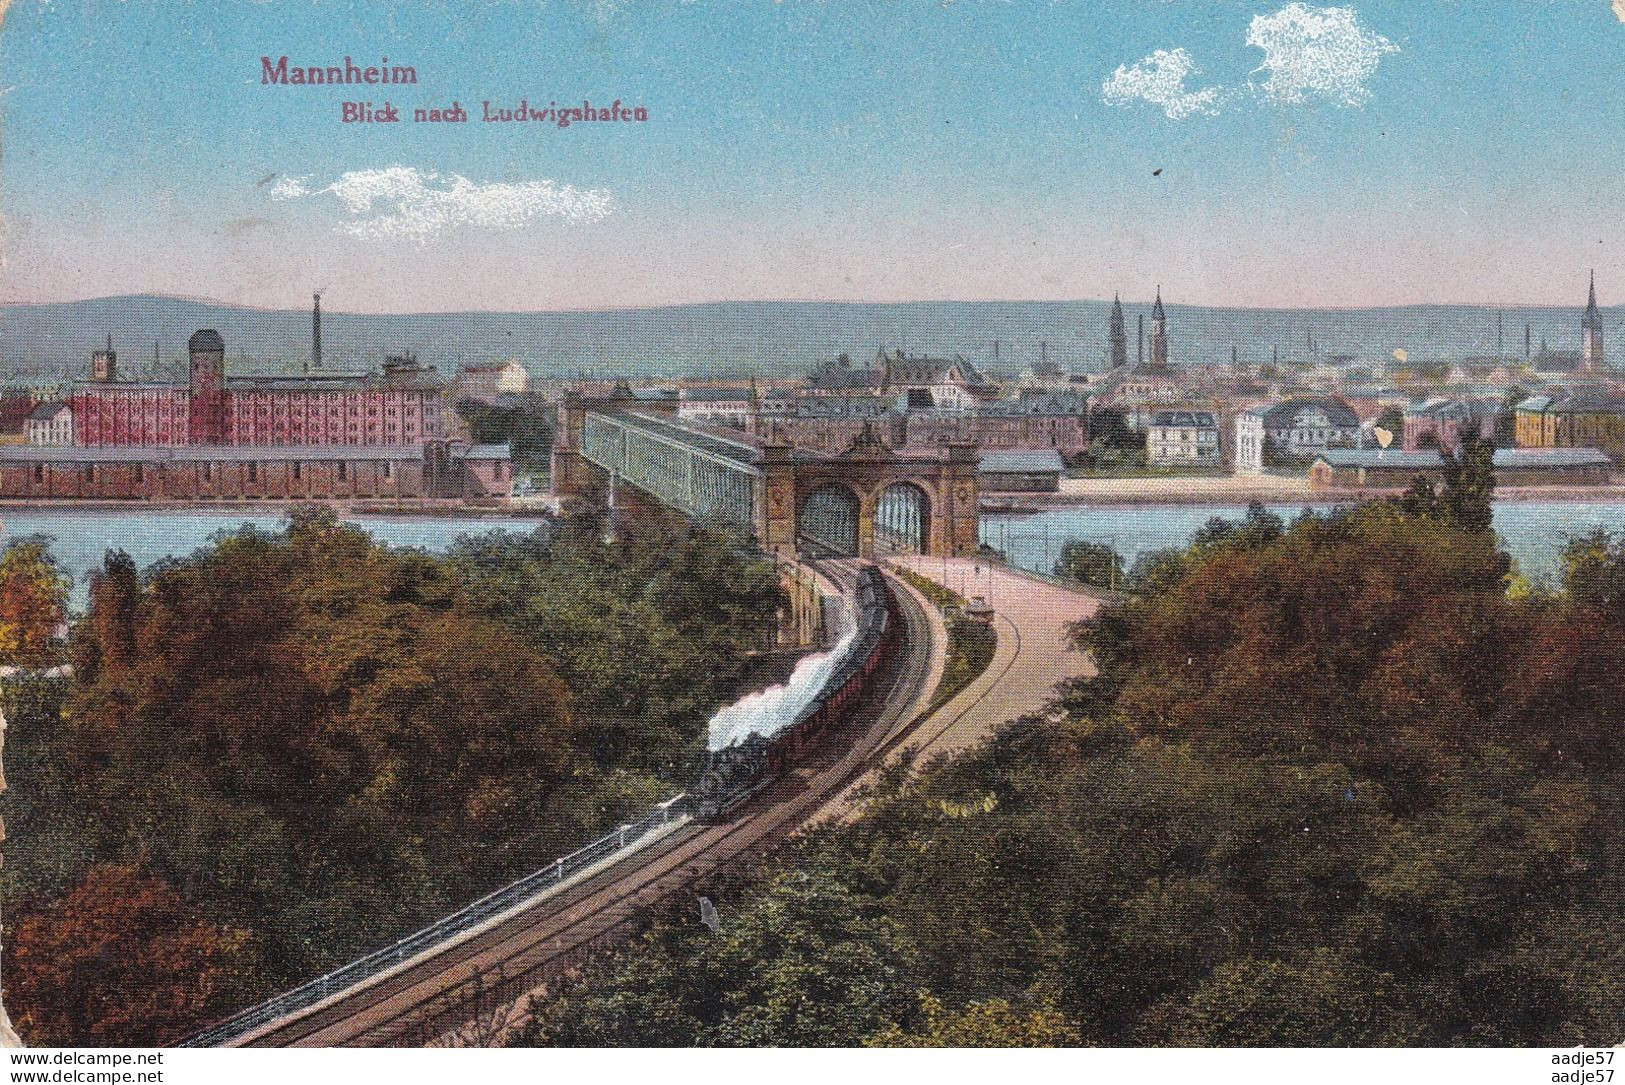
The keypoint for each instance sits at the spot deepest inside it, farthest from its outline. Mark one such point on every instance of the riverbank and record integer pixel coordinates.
(448, 509)
(1242, 489)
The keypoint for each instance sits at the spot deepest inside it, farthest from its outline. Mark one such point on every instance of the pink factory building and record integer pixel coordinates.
(403, 405)
(322, 436)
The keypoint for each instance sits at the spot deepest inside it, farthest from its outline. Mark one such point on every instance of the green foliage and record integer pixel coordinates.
(1095, 564)
(971, 644)
(650, 639)
(809, 963)
(1469, 484)
(525, 425)
(1333, 787)
(993, 1023)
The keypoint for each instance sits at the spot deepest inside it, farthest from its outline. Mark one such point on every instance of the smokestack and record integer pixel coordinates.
(316, 333)
(1139, 349)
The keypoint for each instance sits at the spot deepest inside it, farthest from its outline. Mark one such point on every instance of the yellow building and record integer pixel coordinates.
(1578, 420)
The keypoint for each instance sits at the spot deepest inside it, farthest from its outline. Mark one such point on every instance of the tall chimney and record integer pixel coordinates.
(316, 333)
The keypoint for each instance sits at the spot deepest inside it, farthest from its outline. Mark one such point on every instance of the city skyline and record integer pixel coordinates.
(1260, 156)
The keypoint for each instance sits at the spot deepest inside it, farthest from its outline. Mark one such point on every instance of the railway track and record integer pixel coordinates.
(444, 988)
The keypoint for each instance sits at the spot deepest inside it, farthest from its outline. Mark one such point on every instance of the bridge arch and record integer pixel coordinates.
(905, 499)
(830, 515)
(902, 518)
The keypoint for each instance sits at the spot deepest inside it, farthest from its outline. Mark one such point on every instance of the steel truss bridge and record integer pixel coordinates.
(700, 474)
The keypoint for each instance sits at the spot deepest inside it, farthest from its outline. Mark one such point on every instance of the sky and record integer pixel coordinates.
(1248, 154)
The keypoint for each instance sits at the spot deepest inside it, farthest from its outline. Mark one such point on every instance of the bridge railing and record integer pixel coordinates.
(442, 931)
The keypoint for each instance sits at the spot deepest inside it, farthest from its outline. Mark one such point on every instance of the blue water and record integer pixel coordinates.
(79, 539)
(1533, 532)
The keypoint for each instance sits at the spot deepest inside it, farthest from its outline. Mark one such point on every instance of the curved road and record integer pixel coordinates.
(1033, 655)
(433, 995)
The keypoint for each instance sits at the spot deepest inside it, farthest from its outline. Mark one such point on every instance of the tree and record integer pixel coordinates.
(808, 963)
(1095, 564)
(115, 598)
(1320, 1000)
(1469, 484)
(33, 601)
(996, 1022)
(122, 959)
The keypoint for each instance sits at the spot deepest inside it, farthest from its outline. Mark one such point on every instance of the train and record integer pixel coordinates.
(732, 774)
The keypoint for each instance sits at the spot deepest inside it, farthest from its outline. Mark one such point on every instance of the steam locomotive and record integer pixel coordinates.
(734, 773)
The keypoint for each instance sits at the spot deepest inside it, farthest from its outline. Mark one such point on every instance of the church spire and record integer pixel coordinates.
(1159, 335)
(1117, 336)
(1591, 356)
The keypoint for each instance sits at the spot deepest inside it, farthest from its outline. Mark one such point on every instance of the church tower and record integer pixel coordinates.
(1591, 333)
(1117, 336)
(1159, 335)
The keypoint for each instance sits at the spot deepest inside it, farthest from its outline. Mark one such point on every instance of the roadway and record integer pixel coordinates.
(1034, 652)
(431, 997)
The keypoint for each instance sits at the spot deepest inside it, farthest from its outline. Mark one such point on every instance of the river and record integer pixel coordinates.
(1533, 532)
(80, 537)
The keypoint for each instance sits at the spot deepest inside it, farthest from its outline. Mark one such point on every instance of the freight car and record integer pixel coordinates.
(736, 772)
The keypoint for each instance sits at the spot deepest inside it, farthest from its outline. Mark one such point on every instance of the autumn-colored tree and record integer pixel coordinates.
(995, 1022)
(33, 601)
(122, 959)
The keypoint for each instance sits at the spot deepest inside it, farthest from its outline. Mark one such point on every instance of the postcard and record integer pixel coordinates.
(779, 525)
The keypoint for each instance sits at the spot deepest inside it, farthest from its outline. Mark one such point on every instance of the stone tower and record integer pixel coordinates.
(206, 379)
(1159, 335)
(1117, 337)
(104, 363)
(1591, 333)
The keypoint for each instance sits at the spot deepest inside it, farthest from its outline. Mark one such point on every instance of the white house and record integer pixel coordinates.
(731, 407)
(50, 424)
(1250, 441)
(1182, 439)
(487, 382)
(1297, 429)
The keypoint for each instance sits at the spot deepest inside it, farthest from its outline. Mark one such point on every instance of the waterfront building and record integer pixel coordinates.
(1027, 472)
(733, 408)
(1293, 431)
(445, 470)
(1582, 418)
(1393, 469)
(950, 383)
(1035, 418)
(50, 423)
(1182, 439)
(403, 404)
(1443, 422)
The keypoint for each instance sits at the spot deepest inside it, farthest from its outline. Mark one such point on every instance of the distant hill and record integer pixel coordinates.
(737, 338)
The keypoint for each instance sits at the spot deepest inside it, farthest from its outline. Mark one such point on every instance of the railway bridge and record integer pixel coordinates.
(866, 501)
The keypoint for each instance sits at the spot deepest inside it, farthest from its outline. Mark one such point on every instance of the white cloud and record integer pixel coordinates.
(1310, 54)
(1317, 53)
(1160, 80)
(404, 203)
